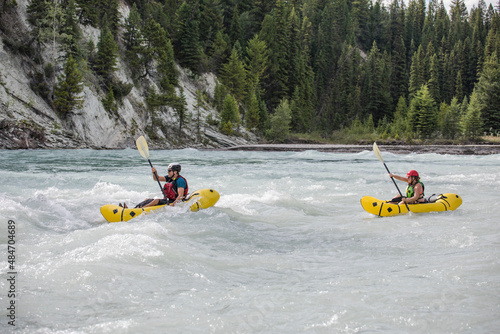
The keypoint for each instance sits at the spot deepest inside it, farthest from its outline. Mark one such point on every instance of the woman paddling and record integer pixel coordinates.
(414, 190)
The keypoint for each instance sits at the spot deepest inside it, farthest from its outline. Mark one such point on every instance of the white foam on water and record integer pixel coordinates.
(287, 248)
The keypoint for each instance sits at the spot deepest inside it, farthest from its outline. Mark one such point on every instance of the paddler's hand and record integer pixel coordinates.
(153, 170)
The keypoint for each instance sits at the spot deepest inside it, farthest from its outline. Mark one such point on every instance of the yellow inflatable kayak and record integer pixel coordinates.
(381, 208)
(200, 199)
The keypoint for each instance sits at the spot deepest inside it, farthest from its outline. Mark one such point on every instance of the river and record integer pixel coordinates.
(287, 249)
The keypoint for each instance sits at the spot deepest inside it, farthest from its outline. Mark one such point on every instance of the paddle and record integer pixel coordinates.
(379, 156)
(142, 146)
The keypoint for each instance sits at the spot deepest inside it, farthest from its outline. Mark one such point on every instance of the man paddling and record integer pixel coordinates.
(175, 188)
(414, 190)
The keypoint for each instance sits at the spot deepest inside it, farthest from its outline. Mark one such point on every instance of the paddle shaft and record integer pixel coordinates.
(159, 184)
(399, 191)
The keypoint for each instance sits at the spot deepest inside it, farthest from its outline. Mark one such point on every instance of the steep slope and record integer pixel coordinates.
(27, 120)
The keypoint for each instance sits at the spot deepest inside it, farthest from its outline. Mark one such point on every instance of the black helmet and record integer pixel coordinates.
(175, 167)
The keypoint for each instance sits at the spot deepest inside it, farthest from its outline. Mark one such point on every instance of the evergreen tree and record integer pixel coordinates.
(417, 71)
(41, 18)
(488, 94)
(198, 107)
(180, 108)
(220, 52)
(433, 82)
(423, 113)
(188, 47)
(377, 92)
(70, 32)
(252, 113)
(229, 115)
(400, 122)
(107, 53)
(133, 41)
(67, 93)
(459, 24)
(279, 129)
(109, 102)
(234, 76)
(472, 124)
(257, 62)
(450, 121)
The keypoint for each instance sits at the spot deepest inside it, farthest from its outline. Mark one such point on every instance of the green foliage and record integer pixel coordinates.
(67, 93)
(472, 124)
(41, 17)
(400, 126)
(279, 129)
(423, 113)
(188, 46)
(449, 120)
(109, 102)
(229, 115)
(252, 113)
(233, 76)
(488, 94)
(107, 52)
(333, 61)
(180, 107)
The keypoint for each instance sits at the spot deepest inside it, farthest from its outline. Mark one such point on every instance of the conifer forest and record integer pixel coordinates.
(404, 70)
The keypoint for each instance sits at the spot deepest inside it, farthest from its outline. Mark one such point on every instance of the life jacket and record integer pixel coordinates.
(170, 188)
(410, 191)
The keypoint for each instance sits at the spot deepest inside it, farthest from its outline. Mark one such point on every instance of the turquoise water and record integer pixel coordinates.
(287, 249)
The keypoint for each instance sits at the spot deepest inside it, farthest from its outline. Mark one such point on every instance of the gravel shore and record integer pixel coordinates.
(403, 149)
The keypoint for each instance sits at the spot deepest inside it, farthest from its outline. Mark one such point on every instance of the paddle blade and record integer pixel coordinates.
(142, 146)
(377, 152)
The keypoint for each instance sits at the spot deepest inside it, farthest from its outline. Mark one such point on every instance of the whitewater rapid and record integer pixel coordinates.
(287, 249)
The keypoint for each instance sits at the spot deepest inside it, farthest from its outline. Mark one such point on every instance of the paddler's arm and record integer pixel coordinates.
(180, 196)
(155, 173)
(399, 178)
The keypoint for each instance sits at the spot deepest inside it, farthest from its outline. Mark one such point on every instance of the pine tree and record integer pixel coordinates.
(400, 122)
(450, 122)
(70, 32)
(133, 41)
(423, 113)
(377, 91)
(472, 124)
(234, 76)
(252, 113)
(434, 80)
(107, 52)
(181, 109)
(488, 94)
(459, 24)
(416, 72)
(109, 102)
(41, 18)
(188, 47)
(67, 93)
(279, 129)
(257, 62)
(229, 115)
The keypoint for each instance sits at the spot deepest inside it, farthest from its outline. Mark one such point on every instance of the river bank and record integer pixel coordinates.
(476, 149)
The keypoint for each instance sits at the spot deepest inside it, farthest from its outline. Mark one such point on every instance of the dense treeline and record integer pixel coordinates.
(408, 70)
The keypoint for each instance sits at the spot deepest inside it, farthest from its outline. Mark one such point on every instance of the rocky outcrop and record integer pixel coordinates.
(28, 120)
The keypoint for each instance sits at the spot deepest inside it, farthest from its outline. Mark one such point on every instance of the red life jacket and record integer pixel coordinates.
(170, 189)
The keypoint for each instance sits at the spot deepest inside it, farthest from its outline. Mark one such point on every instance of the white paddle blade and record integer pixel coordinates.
(142, 146)
(377, 152)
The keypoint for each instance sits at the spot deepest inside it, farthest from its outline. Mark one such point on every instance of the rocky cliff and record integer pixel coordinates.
(27, 120)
